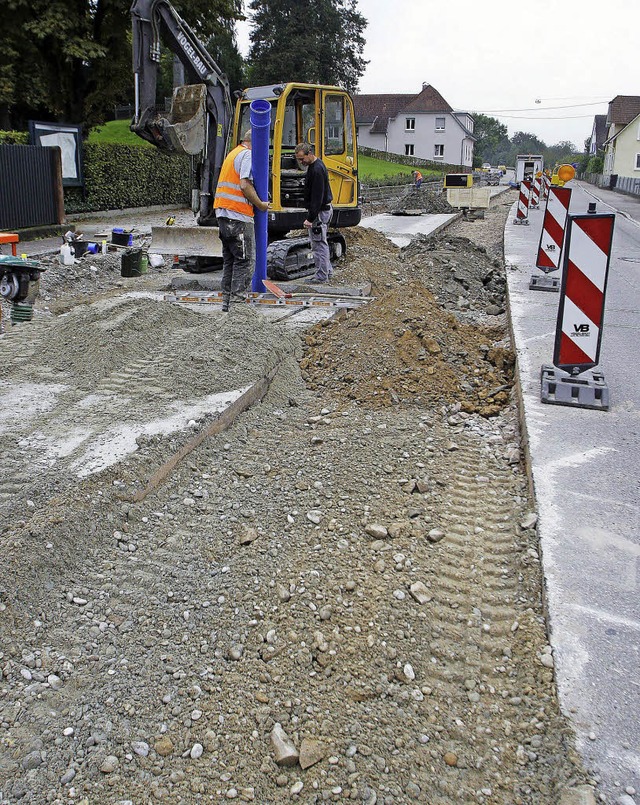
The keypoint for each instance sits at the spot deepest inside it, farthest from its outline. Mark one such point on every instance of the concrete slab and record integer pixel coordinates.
(400, 229)
(584, 466)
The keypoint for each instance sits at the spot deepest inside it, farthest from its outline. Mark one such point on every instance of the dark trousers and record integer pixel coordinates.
(238, 257)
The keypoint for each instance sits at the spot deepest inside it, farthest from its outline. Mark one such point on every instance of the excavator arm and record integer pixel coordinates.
(201, 111)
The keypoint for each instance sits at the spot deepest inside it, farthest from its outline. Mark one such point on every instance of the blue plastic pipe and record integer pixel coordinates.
(260, 116)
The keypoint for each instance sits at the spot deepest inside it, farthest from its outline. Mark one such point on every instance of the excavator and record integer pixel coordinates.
(203, 124)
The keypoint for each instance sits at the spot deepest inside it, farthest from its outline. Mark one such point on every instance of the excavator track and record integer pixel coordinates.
(291, 258)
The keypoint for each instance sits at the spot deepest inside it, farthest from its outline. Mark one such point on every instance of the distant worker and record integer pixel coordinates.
(234, 202)
(417, 178)
(317, 198)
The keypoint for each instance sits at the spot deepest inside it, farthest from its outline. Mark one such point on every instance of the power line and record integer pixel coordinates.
(543, 109)
(566, 117)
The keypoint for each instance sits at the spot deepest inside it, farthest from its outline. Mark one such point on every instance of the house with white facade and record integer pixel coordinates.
(423, 126)
(622, 143)
(598, 134)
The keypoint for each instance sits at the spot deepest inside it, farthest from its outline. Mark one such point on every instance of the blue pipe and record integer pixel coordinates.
(260, 116)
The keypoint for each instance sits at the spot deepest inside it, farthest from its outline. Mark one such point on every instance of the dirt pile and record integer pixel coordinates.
(429, 201)
(460, 273)
(404, 348)
(407, 346)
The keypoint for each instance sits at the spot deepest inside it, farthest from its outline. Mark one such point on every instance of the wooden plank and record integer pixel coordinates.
(226, 419)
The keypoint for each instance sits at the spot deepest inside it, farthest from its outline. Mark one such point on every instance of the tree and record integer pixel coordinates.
(321, 42)
(70, 60)
(526, 143)
(492, 140)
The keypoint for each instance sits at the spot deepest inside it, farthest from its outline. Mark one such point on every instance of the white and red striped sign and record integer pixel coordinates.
(584, 282)
(535, 193)
(523, 201)
(546, 184)
(553, 227)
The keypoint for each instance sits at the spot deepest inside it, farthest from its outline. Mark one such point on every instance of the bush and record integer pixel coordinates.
(121, 176)
(595, 165)
(14, 137)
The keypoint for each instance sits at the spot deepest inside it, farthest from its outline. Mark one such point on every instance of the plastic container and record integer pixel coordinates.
(121, 238)
(66, 256)
(80, 247)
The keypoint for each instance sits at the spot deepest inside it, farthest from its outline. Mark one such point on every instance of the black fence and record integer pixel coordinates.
(30, 186)
(126, 112)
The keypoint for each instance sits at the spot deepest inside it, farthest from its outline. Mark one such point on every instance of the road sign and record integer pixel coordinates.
(535, 193)
(522, 212)
(572, 380)
(553, 229)
(584, 282)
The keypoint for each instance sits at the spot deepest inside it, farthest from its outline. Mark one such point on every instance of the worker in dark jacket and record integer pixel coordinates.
(318, 198)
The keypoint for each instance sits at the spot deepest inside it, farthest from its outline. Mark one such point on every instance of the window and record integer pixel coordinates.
(439, 124)
(438, 150)
(408, 149)
(638, 162)
(334, 142)
(409, 124)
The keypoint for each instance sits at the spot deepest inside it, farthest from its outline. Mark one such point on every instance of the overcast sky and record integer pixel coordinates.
(490, 55)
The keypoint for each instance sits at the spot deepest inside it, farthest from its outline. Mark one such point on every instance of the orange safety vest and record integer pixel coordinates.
(229, 195)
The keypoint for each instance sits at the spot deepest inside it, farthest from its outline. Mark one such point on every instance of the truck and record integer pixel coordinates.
(527, 166)
(204, 124)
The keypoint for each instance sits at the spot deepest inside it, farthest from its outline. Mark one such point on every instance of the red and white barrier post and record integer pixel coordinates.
(534, 204)
(551, 239)
(522, 212)
(580, 316)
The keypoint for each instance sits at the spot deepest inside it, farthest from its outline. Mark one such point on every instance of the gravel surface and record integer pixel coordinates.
(338, 598)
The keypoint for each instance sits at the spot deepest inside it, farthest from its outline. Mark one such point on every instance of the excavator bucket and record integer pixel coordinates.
(196, 241)
(183, 131)
(186, 126)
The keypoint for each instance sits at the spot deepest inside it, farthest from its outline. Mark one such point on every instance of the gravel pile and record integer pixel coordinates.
(333, 600)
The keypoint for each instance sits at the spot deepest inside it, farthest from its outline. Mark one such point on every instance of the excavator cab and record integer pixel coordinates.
(321, 116)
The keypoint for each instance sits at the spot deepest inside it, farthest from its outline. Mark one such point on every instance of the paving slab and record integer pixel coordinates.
(584, 467)
(400, 229)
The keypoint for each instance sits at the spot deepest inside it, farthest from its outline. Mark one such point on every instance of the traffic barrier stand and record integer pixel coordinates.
(551, 240)
(546, 184)
(522, 212)
(580, 316)
(534, 204)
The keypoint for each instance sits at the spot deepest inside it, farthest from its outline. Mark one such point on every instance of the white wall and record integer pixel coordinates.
(458, 148)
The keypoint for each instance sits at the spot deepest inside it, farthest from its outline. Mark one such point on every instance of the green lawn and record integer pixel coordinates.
(116, 131)
(369, 168)
(372, 168)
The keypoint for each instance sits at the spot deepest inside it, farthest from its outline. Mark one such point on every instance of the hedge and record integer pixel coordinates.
(121, 176)
(14, 137)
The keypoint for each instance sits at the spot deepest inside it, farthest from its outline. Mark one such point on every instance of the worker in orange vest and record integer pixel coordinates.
(417, 178)
(234, 202)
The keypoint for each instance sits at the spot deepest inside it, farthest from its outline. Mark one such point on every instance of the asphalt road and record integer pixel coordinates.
(585, 472)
